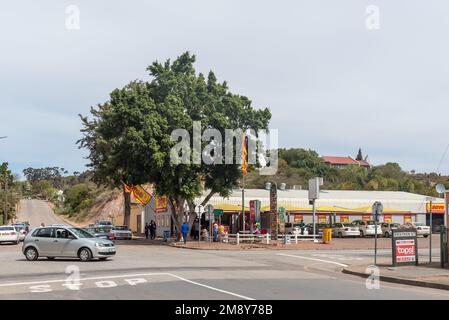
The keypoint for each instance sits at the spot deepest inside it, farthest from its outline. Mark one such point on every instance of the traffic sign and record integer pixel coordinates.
(210, 212)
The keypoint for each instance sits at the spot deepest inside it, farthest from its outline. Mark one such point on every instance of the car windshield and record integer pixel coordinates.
(394, 225)
(80, 233)
(371, 223)
(419, 224)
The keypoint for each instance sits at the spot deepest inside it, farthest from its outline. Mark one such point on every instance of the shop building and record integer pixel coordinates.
(333, 206)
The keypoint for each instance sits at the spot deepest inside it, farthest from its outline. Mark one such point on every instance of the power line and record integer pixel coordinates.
(442, 159)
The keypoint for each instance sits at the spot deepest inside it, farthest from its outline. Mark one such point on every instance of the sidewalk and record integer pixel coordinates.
(336, 244)
(424, 275)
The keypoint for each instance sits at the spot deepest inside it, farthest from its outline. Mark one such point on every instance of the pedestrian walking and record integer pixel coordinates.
(215, 232)
(185, 231)
(153, 236)
(193, 231)
(147, 229)
(302, 225)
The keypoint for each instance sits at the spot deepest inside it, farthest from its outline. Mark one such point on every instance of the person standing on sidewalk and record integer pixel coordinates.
(146, 230)
(185, 231)
(154, 229)
(215, 231)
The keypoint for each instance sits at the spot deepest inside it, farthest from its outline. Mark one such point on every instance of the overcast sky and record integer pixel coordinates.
(332, 84)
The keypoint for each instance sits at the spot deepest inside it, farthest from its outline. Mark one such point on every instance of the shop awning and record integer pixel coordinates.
(369, 209)
(229, 207)
(335, 209)
(287, 206)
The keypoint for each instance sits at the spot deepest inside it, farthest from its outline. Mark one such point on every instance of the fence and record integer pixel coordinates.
(266, 238)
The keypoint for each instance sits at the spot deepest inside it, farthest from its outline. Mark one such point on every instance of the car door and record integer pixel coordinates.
(71, 246)
(43, 240)
(60, 241)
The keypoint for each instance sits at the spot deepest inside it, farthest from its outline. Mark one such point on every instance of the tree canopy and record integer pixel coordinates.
(129, 136)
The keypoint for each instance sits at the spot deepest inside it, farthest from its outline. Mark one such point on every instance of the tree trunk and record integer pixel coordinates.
(127, 208)
(206, 200)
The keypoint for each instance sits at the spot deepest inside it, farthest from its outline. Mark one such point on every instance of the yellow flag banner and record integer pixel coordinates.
(161, 204)
(141, 195)
(245, 158)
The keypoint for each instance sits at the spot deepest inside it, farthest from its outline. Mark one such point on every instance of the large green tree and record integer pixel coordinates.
(129, 136)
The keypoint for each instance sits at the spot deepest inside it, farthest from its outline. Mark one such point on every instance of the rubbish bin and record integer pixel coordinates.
(327, 235)
(166, 235)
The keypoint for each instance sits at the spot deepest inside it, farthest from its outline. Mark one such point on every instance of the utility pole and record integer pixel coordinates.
(5, 213)
(6, 193)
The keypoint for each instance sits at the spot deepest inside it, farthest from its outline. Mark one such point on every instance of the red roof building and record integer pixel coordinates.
(341, 162)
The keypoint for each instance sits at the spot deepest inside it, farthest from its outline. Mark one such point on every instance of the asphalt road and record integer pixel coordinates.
(36, 212)
(141, 271)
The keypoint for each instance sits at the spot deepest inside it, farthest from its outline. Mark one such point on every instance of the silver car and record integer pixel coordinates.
(122, 233)
(67, 242)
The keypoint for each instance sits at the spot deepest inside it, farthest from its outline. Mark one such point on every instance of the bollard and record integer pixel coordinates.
(238, 238)
(267, 236)
(296, 238)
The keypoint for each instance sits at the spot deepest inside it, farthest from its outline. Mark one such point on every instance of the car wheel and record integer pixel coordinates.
(340, 235)
(84, 254)
(425, 236)
(103, 259)
(31, 254)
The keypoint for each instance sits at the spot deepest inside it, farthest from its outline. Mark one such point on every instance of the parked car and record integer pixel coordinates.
(367, 228)
(122, 233)
(9, 234)
(58, 225)
(421, 228)
(104, 223)
(294, 228)
(102, 232)
(387, 227)
(341, 230)
(318, 228)
(21, 229)
(68, 242)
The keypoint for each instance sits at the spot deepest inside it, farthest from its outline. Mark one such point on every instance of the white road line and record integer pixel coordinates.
(313, 259)
(212, 288)
(81, 279)
(128, 276)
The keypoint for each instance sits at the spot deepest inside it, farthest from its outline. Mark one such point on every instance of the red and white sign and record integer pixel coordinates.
(405, 250)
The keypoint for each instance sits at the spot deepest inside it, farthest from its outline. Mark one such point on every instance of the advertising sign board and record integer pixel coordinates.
(404, 246)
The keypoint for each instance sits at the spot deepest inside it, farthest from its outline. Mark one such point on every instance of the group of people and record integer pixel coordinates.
(150, 229)
(195, 230)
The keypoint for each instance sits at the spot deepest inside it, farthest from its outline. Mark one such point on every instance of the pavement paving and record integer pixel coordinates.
(429, 275)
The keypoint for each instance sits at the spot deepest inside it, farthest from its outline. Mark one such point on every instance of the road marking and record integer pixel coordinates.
(129, 276)
(313, 259)
(212, 288)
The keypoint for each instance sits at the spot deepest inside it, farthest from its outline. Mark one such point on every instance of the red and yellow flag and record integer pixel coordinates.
(138, 193)
(245, 157)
